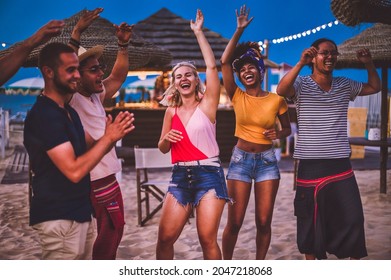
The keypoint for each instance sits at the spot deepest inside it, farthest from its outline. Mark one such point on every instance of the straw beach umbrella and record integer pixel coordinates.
(172, 32)
(354, 12)
(102, 32)
(378, 40)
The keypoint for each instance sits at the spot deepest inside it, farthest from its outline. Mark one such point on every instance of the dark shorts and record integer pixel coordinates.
(329, 210)
(190, 183)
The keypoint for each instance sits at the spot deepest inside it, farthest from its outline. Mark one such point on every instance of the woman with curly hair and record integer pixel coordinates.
(189, 131)
(253, 159)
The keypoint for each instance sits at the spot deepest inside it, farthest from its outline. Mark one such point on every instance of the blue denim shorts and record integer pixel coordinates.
(247, 167)
(189, 184)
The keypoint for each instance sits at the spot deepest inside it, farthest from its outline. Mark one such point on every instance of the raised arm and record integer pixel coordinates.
(373, 84)
(82, 24)
(123, 32)
(226, 59)
(285, 86)
(11, 63)
(211, 97)
(114, 81)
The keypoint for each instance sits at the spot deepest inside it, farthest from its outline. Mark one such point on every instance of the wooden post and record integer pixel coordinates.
(266, 55)
(384, 125)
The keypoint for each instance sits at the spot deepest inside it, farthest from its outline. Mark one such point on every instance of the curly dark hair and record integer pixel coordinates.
(242, 48)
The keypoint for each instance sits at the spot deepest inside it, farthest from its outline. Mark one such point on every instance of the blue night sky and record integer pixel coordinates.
(272, 20)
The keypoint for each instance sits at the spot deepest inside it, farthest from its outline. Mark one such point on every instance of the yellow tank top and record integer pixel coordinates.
(254, 115)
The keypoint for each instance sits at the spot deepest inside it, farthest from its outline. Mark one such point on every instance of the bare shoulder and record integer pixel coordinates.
(170, 111)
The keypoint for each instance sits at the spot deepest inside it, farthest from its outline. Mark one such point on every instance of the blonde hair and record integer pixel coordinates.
(172, 97)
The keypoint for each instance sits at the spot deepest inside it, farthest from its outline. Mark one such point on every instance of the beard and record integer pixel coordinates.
(63, 87)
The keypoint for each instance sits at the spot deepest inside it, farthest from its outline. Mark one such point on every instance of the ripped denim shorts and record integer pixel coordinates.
(189, 184)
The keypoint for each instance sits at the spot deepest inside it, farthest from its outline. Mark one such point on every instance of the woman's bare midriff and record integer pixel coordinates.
(252, 147)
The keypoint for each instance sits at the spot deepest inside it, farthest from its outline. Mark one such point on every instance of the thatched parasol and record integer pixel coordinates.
(102, 32)
(172, 32)
(378, 40)
(354, 12)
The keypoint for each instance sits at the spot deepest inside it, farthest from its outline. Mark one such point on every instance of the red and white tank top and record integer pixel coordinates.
(199, 138)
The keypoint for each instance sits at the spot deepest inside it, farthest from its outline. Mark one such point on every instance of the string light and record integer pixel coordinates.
(300, 34)
(4, 44)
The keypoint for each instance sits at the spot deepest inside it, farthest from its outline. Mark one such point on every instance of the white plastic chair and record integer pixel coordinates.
(147, 159)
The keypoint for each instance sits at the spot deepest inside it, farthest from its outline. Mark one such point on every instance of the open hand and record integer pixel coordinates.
(86, 20)
(45, 33)
(197, 25)
(242, 17)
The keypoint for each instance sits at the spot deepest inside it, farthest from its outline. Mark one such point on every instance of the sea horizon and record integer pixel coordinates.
(17, 103)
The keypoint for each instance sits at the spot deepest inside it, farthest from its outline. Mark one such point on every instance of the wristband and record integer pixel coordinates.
(74, 42)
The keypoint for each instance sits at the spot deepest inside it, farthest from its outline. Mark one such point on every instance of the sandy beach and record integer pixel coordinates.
(19, 242)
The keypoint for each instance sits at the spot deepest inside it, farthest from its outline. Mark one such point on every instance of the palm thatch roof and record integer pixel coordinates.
(173, 33)
(376, 38)
(354, 12)
(102, 32)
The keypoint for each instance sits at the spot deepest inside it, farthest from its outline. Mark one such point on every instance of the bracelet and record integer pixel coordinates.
(123, 45)
(74, 42)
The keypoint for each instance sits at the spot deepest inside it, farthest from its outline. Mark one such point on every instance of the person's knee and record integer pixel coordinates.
(234, 225)
(207, 242)
(166, 239)
(263, 225)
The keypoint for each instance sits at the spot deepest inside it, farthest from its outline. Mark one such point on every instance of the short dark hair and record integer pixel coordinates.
(316, 45)
(322, 40)
(50, 54)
